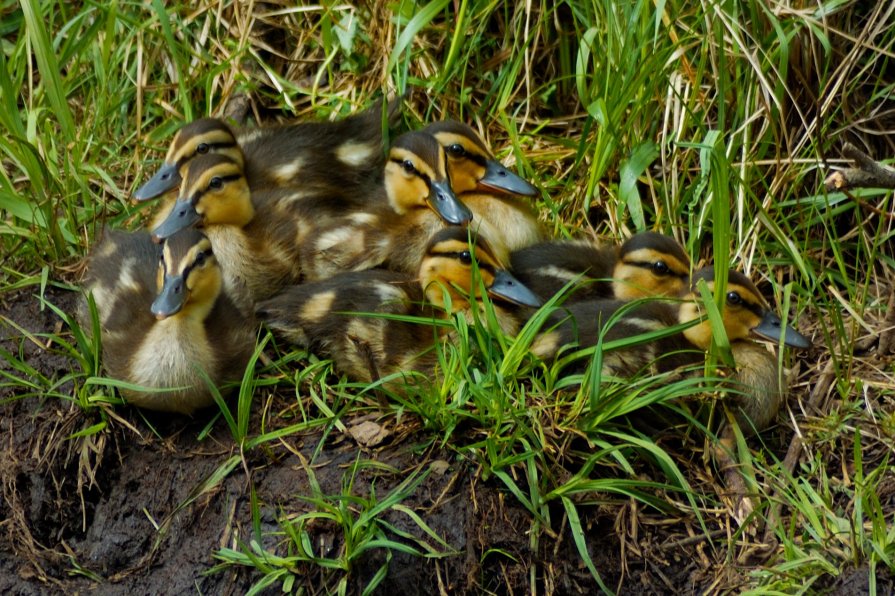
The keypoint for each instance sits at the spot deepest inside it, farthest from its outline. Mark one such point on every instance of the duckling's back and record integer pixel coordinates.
(348, 153)
(328, 317)
(582, 324)
(547, 267)
(121, 276)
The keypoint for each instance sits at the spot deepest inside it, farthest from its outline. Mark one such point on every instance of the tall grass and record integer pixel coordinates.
(712, 121)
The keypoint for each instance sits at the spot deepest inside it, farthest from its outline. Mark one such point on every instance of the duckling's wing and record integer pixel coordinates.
(352, 243)
(549, 266)
(338, 154)
(121, 276)
(318, 313)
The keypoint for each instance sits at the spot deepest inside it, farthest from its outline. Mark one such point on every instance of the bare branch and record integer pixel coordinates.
(868, 174)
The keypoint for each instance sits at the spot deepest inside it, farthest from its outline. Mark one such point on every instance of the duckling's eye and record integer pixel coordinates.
(465, 257)
(216, 182)
(661, 268)
(456, 150)
(202, 148)
(408, 166)
(202, 257)
(734, 299)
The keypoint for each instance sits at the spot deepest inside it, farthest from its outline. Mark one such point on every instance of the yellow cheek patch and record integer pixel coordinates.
(443, 274)
(739, 322)
(405, 193)
(204, 285)
(633, 282)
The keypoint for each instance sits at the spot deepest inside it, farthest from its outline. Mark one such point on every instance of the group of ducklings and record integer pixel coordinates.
(306, 225)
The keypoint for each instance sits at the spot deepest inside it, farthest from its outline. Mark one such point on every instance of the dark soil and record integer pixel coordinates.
(122, 511)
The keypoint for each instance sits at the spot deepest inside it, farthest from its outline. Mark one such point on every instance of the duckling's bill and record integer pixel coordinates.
(499, 178)
(171, 298)
(509, 288)
(446, 204)
(182, 215)
(167, 178)
(770, 328)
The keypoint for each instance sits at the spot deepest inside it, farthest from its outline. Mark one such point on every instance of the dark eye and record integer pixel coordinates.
(202, 148)
(202, 257)
(216, 182)
(456, 150)
(734, 299)
(465, 257)
(408, 166)
(660, 268)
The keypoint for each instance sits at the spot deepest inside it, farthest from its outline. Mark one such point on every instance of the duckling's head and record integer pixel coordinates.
(416, 177)
(448, 266)
(189, 277)
(214, 192)
(744, 312)
(650, 264)
(200, 137)
(471, 164)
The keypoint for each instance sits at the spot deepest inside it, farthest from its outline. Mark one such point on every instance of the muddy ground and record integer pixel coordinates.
(116, 513)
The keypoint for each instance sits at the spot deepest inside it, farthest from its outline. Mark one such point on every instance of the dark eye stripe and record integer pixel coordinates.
(483, 266)
(649, 265)
(211, 147)
(475, 157)
(224, 179)
(747, 303)
(424, 177)
(753, 308)
(207, 253)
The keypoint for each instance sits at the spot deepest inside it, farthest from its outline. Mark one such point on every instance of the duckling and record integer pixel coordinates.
(745, 312)
(489, 189)
(393, 232)
(163, 319)
(347, 153)
(323, 315)
(647, 264)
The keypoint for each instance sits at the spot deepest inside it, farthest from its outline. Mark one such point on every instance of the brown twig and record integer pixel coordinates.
(867, 174)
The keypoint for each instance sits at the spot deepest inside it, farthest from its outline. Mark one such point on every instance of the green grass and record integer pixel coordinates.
(714, 122)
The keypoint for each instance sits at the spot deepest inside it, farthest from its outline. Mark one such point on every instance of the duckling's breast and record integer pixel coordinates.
(234, 252)
(409, 237)
(757, 394)
(171, 356)
(508, 223)
(254, 263)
